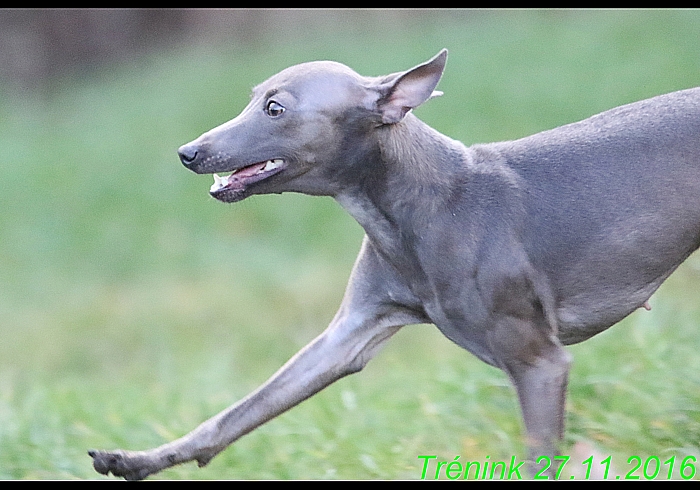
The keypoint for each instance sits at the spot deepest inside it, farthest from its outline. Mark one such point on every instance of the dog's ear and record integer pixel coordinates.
(401, 92)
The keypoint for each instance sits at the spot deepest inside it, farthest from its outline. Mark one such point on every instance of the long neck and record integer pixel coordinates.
(413, 177)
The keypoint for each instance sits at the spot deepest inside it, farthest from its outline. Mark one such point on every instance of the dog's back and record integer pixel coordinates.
(612, 205)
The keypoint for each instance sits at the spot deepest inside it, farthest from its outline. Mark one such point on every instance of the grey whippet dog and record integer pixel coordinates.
(511, 249)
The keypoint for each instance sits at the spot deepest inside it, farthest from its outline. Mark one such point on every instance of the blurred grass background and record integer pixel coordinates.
(133, 306)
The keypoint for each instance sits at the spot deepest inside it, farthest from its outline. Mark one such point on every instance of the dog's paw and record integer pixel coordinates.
(120, 463)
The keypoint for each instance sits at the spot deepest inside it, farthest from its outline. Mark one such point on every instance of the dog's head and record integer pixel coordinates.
(304, 126)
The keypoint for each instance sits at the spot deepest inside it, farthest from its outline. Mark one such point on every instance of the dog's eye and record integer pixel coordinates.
(274, 109)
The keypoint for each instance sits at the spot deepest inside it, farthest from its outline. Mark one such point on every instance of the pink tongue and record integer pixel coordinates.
(248, 171)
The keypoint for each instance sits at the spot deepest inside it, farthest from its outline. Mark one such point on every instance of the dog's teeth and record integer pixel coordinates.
(219, 182)
(272, 164)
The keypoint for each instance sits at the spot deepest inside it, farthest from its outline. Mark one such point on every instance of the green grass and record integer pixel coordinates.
(133, 306)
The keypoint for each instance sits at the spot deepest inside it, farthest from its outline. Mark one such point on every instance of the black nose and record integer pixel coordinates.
(188, 154)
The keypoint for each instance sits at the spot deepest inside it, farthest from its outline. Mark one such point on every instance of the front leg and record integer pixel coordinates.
(366, 319)
(515, 328)
(524, 343)
(341, 350)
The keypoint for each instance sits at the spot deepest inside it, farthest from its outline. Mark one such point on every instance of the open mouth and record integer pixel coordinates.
(241, 178)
